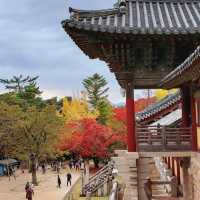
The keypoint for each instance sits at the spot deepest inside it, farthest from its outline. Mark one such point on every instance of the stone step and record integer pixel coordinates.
(125, 165)
(133, 184)
(133, 167)
(132, 177)
(133, 171)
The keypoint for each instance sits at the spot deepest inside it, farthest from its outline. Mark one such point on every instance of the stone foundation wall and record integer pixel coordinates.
(195, 172)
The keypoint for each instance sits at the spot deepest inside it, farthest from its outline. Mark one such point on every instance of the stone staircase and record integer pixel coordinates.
(126, 164)
(98, 184)
(135, 170)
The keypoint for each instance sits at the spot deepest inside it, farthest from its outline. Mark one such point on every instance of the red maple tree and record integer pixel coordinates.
(142, 103)
(90, 139)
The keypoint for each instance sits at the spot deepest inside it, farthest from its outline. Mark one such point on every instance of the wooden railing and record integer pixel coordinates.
(99, 179)
(153, 138)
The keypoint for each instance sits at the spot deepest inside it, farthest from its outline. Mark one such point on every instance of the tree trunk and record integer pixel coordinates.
(33, 170)
(96, 162)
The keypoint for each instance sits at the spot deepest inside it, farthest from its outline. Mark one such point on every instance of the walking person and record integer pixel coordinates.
(29, 193)
(59, 181)
(70, 165)
(13, 173)
(77, 166)
(69, 179)
(43, 169)
(27, 186)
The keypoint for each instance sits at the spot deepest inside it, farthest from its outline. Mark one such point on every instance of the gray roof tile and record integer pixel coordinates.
(165, 103)
(186, 65)
(141, 16)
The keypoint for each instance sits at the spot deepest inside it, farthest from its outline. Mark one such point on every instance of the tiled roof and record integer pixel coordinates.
(141, 17)
(169, 119)
(152, 110)
(175, 75)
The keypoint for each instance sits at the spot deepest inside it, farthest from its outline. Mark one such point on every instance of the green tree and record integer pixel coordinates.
(105, 111)
(19, 84)
(32, 134)
(96, 87)
(23, 92)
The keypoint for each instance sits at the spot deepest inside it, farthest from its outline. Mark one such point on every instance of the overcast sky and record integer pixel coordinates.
(33, 42)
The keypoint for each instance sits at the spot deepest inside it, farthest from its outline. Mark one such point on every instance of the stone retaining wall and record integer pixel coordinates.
(195, 172)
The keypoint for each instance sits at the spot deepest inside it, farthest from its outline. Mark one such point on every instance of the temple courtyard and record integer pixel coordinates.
(47, 188)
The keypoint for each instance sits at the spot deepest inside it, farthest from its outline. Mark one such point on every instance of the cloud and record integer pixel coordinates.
(34, 43)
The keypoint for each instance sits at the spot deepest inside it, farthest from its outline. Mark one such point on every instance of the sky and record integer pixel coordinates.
(33, 42)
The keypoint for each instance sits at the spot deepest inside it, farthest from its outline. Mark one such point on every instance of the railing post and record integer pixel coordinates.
(148, 188)
(174, 187)
(163, 132)
(179, 137)
(88, 196)
(149, 137)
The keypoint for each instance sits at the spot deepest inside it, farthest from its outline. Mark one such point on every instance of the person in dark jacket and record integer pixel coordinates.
(27, 186)
(59, 181)
(29, 193)
(69, 179)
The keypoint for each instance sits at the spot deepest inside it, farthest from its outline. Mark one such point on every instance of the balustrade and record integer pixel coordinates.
(99, 179)
(163, 138)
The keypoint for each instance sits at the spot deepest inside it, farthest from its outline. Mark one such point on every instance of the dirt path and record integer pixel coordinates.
(47, 189)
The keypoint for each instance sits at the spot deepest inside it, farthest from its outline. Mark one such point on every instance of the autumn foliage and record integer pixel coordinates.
(90, 139)
(77, 109)
(85, 136)
(142, 103)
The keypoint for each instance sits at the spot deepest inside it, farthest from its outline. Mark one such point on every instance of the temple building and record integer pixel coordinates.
(150, 44)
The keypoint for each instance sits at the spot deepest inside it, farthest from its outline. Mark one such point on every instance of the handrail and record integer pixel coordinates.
(163, 138)
(100, 171)
(99, 179)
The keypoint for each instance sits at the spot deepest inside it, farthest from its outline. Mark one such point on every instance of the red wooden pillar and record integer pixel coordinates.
(130, 111)
(186, 113)
(194, 125)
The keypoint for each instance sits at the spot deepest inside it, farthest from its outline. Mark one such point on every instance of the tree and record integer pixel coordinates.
(76, 109)
(90, 140)
(32, 134)
(96, 89)
(19, 84)
(23, 92)
(105, 111)
(161, 94)
(143, 103)
(8, 120)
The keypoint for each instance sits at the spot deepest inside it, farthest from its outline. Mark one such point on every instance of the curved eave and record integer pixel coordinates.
(126, 29)
(80, 40)
(188, 71)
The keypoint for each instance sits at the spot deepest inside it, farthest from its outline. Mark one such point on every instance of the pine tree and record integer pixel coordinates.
(96, 89)
(22, 91)
(19, 83)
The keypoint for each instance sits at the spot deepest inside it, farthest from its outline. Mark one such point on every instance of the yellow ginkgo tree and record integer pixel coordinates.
(160, 93)
(77, 109)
